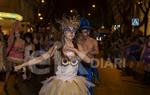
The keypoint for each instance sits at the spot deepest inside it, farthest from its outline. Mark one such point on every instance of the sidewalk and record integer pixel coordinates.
(1, 88)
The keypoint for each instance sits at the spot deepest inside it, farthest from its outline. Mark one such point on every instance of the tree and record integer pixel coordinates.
(122, 12)
(144, 5)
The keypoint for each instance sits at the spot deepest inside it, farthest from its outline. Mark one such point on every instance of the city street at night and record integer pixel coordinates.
(74, 47)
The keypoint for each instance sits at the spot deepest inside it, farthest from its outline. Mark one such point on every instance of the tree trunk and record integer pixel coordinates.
(145, 26)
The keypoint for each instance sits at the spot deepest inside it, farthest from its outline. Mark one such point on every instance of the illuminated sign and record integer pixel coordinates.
(11, 16)
(135, 21)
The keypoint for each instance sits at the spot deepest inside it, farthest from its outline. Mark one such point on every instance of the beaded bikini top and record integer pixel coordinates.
(72, 61)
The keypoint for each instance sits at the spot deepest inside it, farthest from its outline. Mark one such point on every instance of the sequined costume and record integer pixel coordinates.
(66, 81)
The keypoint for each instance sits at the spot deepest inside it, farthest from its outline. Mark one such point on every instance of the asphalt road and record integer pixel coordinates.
(112, 83)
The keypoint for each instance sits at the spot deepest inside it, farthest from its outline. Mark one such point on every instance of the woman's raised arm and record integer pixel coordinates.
(37, 60)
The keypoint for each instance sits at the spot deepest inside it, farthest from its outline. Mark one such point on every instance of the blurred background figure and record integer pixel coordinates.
(15, 50)
(16, 44)
(29, 49)
(3, 58)
(146, 59)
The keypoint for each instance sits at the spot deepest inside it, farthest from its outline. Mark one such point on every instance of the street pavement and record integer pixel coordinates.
(112, 83)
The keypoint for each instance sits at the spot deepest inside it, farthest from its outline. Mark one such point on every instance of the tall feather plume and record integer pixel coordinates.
(66, 21)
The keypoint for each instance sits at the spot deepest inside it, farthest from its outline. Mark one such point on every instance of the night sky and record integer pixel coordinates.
(55, 9)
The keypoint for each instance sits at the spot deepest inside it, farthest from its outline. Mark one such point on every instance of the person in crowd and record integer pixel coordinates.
(15, 51)
(145, 56)
(49, 41)
(16, 45)
(35, 40)
(134, 51)
(38, 41)
(29, 49)
(67, 57)
(3, 59)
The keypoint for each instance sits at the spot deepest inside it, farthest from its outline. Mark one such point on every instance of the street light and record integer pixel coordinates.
(11, 16)
(93, 6)
(139, 2)
(42, 1)
(39, 14)
(71, 11)
(41, 18)
(102, 27)
(89, 14)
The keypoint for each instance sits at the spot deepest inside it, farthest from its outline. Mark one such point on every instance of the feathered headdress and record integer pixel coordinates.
(69, 23)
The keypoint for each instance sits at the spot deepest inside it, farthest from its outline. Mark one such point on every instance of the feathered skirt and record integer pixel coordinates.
(55, 86)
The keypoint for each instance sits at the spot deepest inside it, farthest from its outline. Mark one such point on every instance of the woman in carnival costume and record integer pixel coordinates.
(67, 58)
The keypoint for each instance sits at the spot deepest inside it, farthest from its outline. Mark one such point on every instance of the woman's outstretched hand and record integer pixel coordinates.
(16, 68)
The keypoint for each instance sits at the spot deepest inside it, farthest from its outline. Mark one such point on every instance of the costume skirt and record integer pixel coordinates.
(56, 86)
